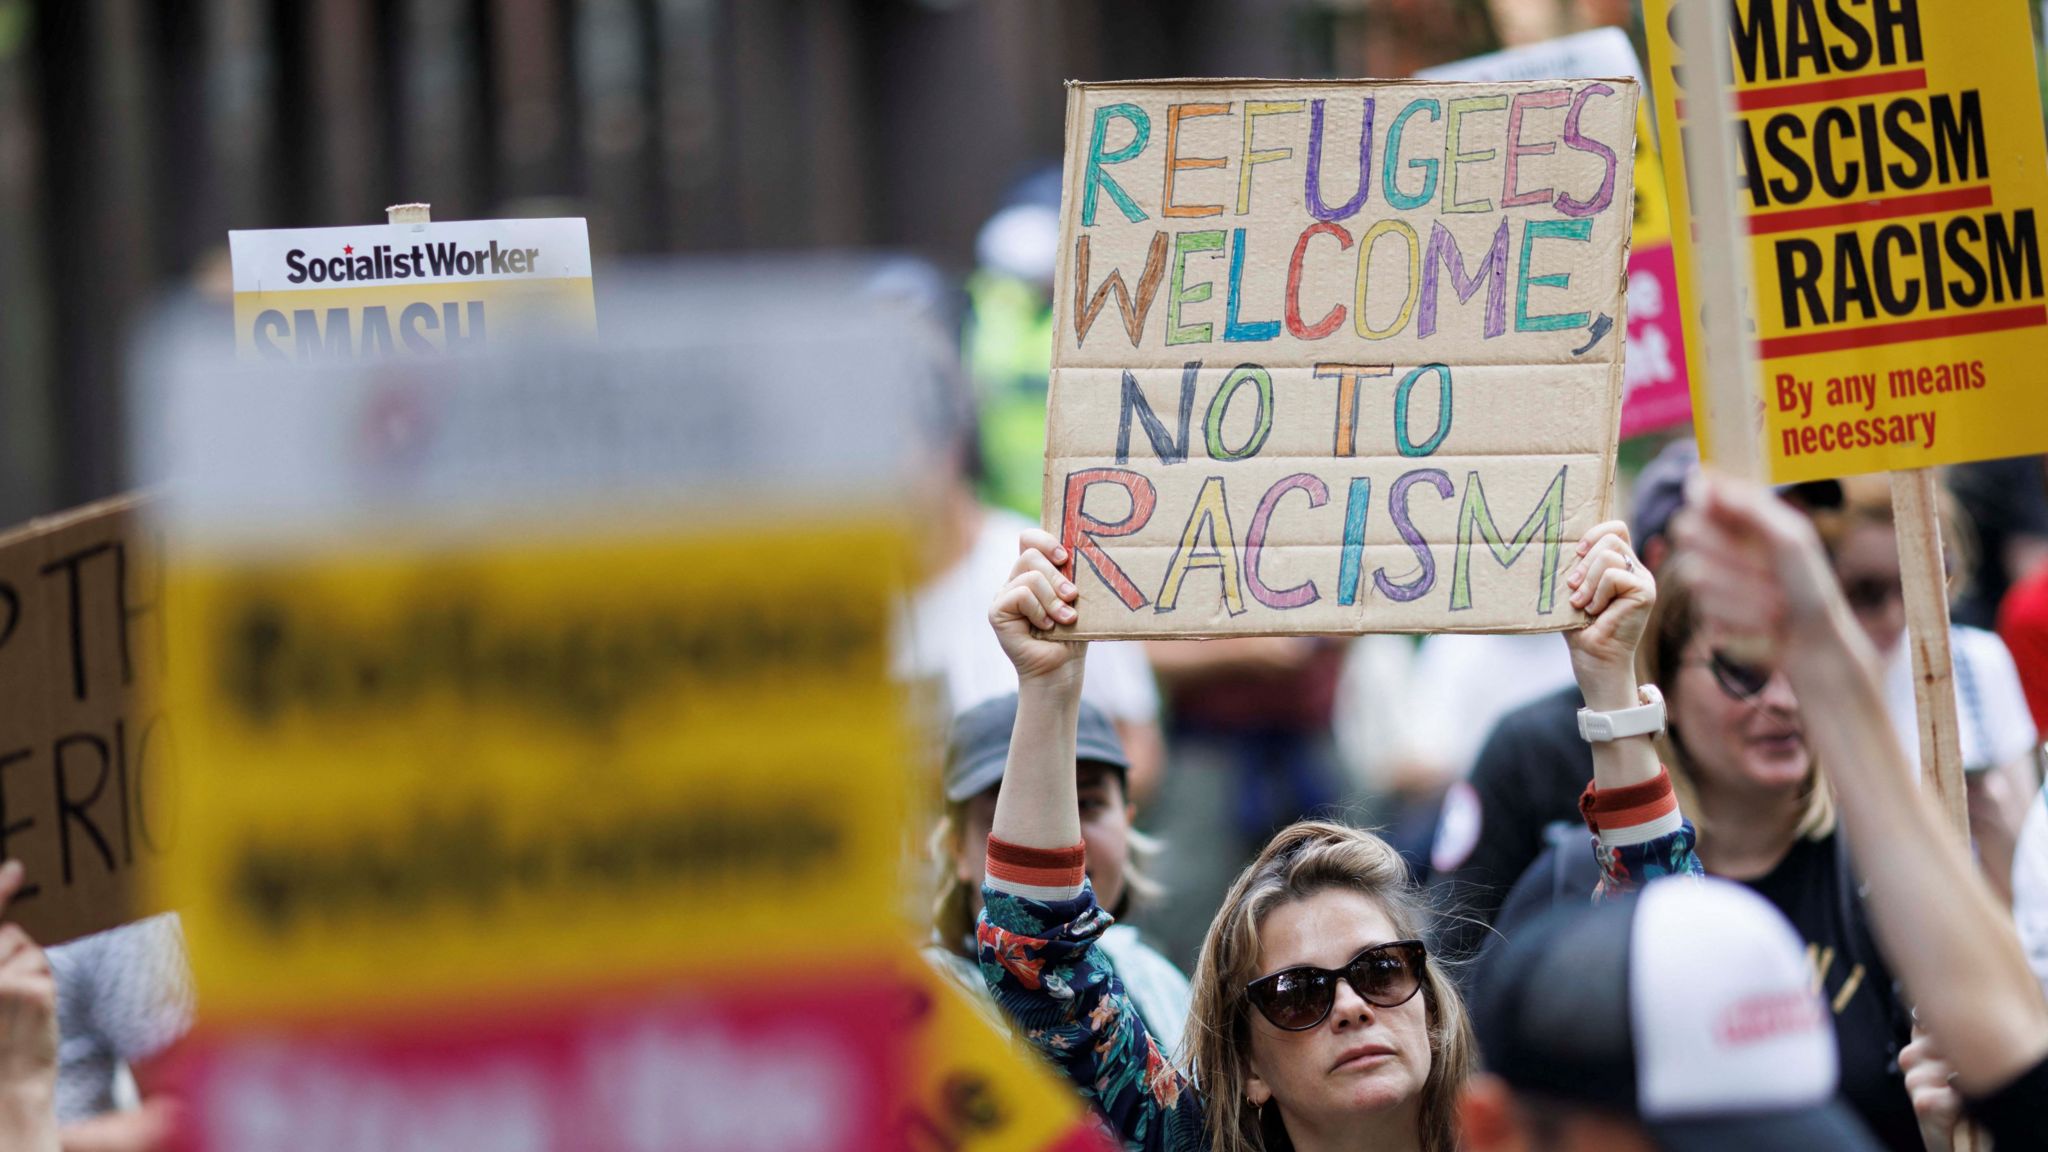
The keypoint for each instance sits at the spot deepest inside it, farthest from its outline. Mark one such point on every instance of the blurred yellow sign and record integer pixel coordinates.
(509, 768)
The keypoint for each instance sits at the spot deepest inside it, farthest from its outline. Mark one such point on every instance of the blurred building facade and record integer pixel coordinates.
(135, 133)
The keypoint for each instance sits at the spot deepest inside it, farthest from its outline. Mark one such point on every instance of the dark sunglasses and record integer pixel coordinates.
(1739, 680)
(1298, 999)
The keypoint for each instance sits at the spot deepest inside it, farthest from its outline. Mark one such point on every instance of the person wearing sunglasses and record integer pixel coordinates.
(1320, 1018)
(1762, 576)
(1734, 742)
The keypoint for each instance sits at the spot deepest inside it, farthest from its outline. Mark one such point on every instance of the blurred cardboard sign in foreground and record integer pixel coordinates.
(422, 289)
(83, 759)
(1336, 357)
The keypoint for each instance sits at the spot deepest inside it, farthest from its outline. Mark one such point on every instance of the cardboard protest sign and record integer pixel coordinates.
(408, 289)
(83, 760)
(1655, 382)
(1335, 357)
(1893, 176)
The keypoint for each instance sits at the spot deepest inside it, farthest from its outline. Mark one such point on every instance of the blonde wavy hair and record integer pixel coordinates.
(1304, 859)
(1673, 623)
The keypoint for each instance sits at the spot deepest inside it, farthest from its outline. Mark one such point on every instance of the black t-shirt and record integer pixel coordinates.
(2016, 1115)
(1529, 775)
(1813, 889)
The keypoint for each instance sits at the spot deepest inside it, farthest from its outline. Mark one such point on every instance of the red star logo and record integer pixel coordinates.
(348, 250)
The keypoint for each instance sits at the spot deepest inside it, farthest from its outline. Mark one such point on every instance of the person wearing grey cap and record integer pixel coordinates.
(976, 751)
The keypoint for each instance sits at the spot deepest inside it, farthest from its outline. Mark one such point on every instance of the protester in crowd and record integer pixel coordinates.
(1009, 337)
(1763, 577)
(1252, 751)
(2023, 626)
(1736, 756)
(1996, 733)
(1117, 853)
(1320, 1018)
(1680, 1018)
(28, 1034)
(1533, 767)
(124, 996)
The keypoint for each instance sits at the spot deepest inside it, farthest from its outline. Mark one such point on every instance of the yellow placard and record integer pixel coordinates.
(973, 1088)
(1894, 178)
(1652, 223)
(506, 770)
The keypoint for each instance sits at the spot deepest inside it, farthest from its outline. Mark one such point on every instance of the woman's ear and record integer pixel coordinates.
(1255, 1089)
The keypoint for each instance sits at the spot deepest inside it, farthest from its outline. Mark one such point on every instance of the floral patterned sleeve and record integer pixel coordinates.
(1639, 835)
(1038, 935)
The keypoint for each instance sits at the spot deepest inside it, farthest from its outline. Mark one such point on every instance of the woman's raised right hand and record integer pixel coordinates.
(1038, 597)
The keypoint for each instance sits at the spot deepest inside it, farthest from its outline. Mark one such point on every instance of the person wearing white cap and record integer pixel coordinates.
(1741, 767)
(1765, 578)
(1680, 1018)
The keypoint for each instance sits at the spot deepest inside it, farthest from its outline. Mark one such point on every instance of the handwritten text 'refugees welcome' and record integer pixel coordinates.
(1405, 162)
(1299, 255)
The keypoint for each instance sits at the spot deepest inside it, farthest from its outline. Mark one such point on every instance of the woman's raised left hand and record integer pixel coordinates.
(1616, 591)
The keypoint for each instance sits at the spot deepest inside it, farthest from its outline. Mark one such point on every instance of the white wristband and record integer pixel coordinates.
(1646, 719)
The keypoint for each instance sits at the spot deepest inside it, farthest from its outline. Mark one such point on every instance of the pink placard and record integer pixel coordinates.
(791, 1068)
(1654, 392)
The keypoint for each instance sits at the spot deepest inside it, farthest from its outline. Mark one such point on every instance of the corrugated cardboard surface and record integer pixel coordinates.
(1533, 404)
(82, 760)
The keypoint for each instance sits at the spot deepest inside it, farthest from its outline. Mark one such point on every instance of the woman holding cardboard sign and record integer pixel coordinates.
(1320, 1019)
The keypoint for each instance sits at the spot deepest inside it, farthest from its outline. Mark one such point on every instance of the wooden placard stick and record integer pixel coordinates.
(1729, 423)
(409, 214)
(1915, 512)
(1924, 585)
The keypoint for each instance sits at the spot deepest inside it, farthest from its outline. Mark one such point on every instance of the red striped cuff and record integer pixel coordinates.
(1039, 873)
(1633, 814)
